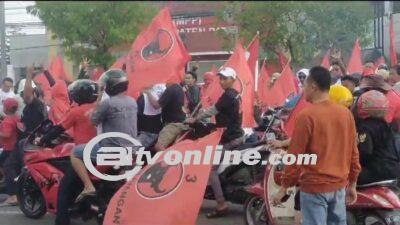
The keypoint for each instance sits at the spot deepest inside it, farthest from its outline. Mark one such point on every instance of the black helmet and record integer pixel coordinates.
(115, 81)
(83, 91)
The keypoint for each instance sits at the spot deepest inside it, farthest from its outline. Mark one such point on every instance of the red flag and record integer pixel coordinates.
(325, 61)
(244, 84)
(393, 54)
(57, 70)
(286, 82)
(253, 52)
(300, 105)
(60, 103)
(269, 96)
(182, 190)
(211, 90)
(355, 63)
(157, 55)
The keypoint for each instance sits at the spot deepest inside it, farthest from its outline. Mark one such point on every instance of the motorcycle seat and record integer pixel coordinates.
(380, 183)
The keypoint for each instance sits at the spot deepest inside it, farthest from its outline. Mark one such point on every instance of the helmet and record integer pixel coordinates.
(115, 81)
(372, 104)
(341, 95)
(83, 91)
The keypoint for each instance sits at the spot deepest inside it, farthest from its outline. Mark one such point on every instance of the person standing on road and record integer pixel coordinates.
(333, 139)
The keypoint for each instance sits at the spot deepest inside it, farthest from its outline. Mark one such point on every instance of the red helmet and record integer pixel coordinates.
(372, 104)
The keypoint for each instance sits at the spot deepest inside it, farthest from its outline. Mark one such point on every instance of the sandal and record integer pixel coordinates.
(217, 213)
(84, 195)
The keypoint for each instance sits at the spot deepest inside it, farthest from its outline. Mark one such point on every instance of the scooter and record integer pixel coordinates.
(45, 166)
(377, 203)
(236, 179)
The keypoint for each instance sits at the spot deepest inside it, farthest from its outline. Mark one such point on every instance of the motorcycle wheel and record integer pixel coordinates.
(254, 211)
(30, 198)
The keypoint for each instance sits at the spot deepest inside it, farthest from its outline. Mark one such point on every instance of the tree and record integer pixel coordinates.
(302, 29)
(91, 29)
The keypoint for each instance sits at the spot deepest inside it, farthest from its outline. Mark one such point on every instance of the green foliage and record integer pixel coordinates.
(91, 29)
(302, 29)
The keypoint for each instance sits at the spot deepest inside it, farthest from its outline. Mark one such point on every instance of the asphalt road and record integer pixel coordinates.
(13, 216)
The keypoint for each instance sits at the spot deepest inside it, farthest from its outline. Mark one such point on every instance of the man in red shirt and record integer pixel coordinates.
(8, 139)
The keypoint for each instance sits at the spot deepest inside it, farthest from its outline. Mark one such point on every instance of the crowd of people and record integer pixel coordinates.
(358, 145)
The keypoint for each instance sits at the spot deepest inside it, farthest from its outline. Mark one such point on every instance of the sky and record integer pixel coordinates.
(16, 13)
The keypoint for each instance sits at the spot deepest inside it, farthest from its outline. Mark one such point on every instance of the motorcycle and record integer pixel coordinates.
(45, 166)
(377, 203)
(236, 179)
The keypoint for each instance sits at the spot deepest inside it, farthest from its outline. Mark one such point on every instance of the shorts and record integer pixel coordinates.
(78, 151)
(147, 139)
(170, 132)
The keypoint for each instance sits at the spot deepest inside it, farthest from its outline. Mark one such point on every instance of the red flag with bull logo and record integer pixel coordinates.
(244, 84)
(164, 194)
(158, 55)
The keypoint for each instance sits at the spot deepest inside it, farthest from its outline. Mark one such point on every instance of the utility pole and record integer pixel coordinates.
(3, 46)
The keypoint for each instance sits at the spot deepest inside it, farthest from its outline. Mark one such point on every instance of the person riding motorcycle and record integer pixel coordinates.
(84, 93)
(379, 158)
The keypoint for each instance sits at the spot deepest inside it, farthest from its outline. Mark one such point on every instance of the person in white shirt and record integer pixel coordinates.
(6, 91)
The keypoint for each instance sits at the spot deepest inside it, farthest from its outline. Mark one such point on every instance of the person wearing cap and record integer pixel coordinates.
(227, 115)
(302, 75)
(8, 140)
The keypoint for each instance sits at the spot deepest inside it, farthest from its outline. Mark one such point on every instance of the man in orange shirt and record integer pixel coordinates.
(327, 130)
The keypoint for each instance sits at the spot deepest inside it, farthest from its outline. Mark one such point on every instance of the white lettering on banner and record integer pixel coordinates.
(187, 21)
(204, 29)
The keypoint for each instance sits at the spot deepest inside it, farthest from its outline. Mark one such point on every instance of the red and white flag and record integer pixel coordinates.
(252, 54)
(164, 194)
(244, 84)
(157, 55)
(393, 54)
(355, 62)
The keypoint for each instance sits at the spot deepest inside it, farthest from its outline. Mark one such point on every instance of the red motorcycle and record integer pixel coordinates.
(377, 203)
(45, 166)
